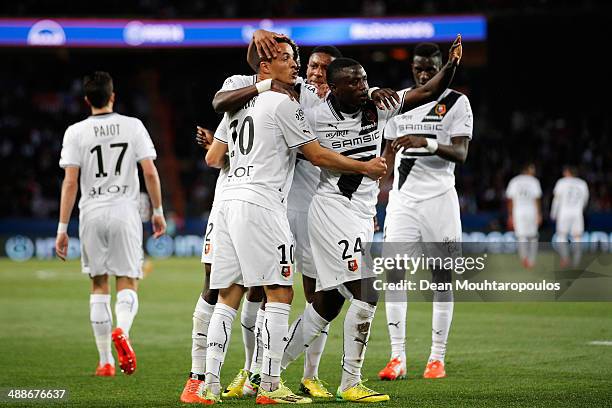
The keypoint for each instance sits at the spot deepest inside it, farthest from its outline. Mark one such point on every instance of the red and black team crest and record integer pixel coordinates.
(352, 265)
(286, 271)
(440, 109)
(207, 248)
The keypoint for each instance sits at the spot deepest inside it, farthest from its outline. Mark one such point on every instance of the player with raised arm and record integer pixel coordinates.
(423, 205)
(253, 242)
(570, 198)
(341, 216)
(523, 195)
(104, 149)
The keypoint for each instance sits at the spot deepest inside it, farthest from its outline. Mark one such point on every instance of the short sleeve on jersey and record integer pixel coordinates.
(510, 191)
(144, 148)
(236, 82)
(221, 132)
(463, 120)
(70, 150)
(292, 121)
(390, 132)
(538, 190)
(388, 114)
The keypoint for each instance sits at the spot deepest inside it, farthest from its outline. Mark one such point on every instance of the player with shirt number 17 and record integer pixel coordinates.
(105, 149)
(253, 242)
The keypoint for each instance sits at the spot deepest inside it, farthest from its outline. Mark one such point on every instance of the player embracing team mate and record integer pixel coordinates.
(340, 219)
(253, 242)
(104, 150)
(423, 204)
(192, 392)
(525, 213)
(570, 198)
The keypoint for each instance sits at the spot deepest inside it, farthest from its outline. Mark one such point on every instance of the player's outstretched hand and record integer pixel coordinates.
(407, 142)
(289, 90)
(385, 98)
(266, 44)
(376, 168)
(61, 245)
(159, 225)
(204, 137)
(456, 51)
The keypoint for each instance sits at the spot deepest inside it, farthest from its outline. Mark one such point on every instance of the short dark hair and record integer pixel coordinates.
(571, 168)
(338, 65)
(98, 88)
(294, 47)
(329, 50)
(427, 50)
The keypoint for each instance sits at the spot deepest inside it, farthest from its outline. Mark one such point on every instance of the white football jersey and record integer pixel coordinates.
(356, 135)
(421, 175)
(262, 141)
(524, 190)
(107, 148)
(571, 195)
(221, 134)
(306, 176)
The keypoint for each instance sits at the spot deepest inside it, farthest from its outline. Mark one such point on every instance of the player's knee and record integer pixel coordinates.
(442, 276)
(211, 296)
(309, 288)
(123, 282)
(255, 294)
(328, 304)
(279, 294)
(99, 285)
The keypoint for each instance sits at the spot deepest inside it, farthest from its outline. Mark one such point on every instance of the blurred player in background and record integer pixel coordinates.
(423, 204)
(570, 198)
(104, 149)
(253, 243)
(523, 196)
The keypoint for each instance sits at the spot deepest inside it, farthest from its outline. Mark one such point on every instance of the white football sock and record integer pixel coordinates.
(248, 321)
(201, 319)
(258, 353)
(440, 323)
(304, 330)
(312, 355)
(219, 333)
(126, 307)
(357, 324)
(533, 250)
(396, 325)
(274, 336)
(102, 323)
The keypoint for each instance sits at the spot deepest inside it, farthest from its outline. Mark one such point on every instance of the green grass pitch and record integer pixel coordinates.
(500, 354)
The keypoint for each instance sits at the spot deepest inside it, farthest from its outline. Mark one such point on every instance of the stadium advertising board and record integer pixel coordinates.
(123, 33)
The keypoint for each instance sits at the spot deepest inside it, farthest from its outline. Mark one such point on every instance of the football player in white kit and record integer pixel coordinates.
(423, 204)
(570, 198)
(192, 391)
(104, 150)
(253, 242)
(340, 219)
(524, 195)
(305, 181)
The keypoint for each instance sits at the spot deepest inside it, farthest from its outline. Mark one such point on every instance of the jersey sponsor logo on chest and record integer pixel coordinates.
(356, 141)
(410, 127)
(112, 189)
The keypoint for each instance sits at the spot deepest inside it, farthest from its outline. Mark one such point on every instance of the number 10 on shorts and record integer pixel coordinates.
(286, 265)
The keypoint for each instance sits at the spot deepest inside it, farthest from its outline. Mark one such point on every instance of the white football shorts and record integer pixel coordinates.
(111, 241)
(570, 223)
(304, 263)
(253, 246)
(209, 233)
(338, 238)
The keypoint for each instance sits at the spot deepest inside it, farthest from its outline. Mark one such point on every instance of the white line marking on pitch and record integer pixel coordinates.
(600, 343)
(46, 274)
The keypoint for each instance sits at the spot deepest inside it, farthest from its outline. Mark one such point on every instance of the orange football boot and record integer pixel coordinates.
(191, 392)
(434, 369)
(106, 370)
(394, 370)
(125, 352)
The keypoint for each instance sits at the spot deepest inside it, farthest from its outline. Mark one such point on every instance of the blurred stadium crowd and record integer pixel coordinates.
(171, 92)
